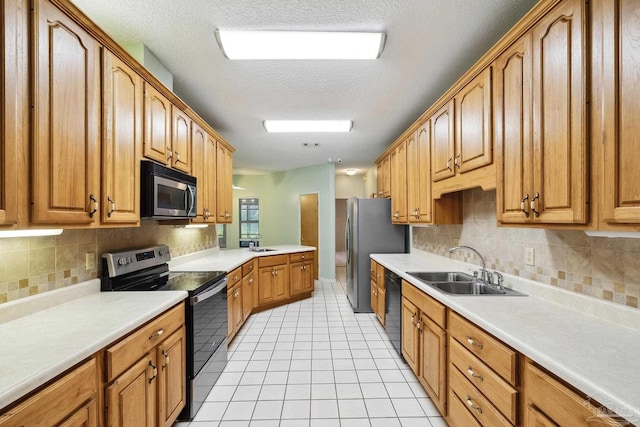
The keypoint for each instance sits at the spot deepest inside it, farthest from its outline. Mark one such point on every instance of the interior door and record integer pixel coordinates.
(309, 225)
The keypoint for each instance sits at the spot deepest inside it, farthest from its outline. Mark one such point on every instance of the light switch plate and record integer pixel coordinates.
(90, 261)
(529, 256)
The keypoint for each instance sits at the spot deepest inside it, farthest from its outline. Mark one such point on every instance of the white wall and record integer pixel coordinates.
(349, 186)
(279, 195)
(144, 56)
(370, 181)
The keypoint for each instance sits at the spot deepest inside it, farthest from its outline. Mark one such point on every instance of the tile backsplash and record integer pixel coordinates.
(33, 265)
(606, 268)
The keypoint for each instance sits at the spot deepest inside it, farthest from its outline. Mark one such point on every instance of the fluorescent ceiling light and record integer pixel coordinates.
(299, 44)
(31, 233)
(196, 226)
(350, 171)
(274, 126)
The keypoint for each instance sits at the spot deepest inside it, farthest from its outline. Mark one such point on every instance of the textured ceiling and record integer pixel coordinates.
(430, 44)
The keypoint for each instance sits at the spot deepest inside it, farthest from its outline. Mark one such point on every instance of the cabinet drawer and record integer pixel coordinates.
(497, 390)
(58, 400)
(270, 261)
(498, 356)
(476, 403)
(126, 352)
(248, 267)
(300, 256)
(557, 401)
(459, 414)
(234, 277)
(429, 306)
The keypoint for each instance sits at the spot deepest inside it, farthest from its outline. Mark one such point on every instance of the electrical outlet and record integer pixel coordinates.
(456, 242)
(90, 261)
(529, 256)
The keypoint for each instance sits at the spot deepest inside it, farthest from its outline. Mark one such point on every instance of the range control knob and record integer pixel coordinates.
(122, 261)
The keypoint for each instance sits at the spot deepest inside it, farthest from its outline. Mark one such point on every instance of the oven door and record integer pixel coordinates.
(206, 344)
(173, 198)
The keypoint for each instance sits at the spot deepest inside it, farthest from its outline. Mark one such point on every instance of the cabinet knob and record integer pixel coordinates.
(471, 372)
(472, 342)
(458, 160)
(522, 205)
(472, 404)
(533, 204)
(112, 206)
(157, 334)
(449, 164)
(166, 359)
(154, 370)
(93, 201)
(169, 154)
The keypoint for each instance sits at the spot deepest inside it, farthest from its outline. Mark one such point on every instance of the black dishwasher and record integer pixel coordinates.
(393, 308)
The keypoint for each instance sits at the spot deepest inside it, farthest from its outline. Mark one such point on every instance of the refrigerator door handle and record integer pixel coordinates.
(346, 240)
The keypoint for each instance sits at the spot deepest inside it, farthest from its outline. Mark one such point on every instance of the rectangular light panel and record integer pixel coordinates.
(275, 126)
(299, 44)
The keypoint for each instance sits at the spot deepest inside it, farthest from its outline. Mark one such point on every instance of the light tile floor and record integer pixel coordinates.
(315, 363)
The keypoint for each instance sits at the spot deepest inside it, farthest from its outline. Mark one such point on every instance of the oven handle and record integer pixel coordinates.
(208, 294)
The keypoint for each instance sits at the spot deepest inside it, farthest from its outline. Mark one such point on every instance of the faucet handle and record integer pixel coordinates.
(499, 279)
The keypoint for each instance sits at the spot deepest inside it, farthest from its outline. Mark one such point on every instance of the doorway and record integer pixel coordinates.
(309, 226)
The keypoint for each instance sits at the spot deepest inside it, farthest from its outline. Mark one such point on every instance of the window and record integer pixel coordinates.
(249, 219)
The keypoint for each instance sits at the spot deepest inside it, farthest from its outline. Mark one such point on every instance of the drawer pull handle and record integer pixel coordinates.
(474, 343)
(157, 334)
(473, 405)
(473, 374)
(155, 372)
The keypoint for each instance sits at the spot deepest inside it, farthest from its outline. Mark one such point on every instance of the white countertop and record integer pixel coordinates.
(43, 336)
(227, 259)
(591, 344)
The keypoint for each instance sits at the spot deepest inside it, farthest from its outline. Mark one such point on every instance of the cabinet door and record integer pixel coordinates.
(224, 194)
(433, 361)
(66, 120)
(157, 126)
(621, 91)
(181, 140)
(172, 374)
(474, 143)
(281, 282)
(535, 418)
(386, 177)
(265, 285)
(379, 180)
(86, 416)
(198, 146)
(308, 280)
(122, 141)
(14, 113)
(560, 115)
(209, 190)
(374, 297)
(419, 175)
(248, 287)
(382, 306)
(399, 183)
(442, 142)
(512, 107)
(297, 278)
(131, 399)
(410, 335)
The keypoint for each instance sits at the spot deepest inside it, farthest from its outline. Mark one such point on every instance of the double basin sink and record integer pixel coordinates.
(456, 283)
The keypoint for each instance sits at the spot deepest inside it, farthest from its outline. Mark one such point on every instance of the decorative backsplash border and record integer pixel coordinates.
(33, 265)
(601, 267)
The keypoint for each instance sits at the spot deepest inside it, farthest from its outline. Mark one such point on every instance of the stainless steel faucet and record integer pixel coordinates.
(484, 273)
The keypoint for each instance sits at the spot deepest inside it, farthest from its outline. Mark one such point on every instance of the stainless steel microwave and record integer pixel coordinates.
(166, 193)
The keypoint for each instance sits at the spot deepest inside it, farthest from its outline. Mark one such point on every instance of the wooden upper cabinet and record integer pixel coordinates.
(14, 111)
(442, 142)
(473, 142)
(66, 120)
(157, 125)
(398, 159)
(620, 89)
(224, 195)
(560, 149)
(204, 169)
(122, 141)
(383, 178)
(514, 150)
(419, 175)
(181, 141)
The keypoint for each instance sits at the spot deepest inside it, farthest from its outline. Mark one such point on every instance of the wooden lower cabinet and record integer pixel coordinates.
(131, 399)
(146, 374)
(424, 342)
(172, 365)
(71, 400)
(549, 402)
(234, 309)
(273, 279)
(248, 287)
(301, 276)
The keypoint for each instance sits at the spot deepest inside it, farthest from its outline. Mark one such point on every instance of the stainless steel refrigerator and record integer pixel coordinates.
(368, 231)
